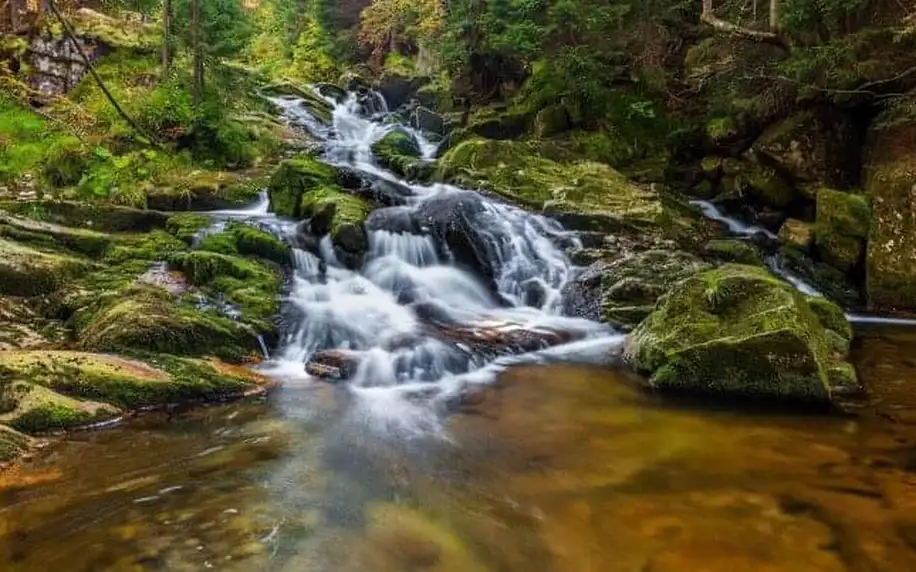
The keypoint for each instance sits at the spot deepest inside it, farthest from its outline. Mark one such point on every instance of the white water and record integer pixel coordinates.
(778, 267)
(382, 310)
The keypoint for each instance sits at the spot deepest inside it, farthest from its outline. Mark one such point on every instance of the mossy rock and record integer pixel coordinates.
(246, 240)
(295, 177)
(815, 145)
(502, 124)
(253, 287)
(26, 271)
(551, 121)
(204, 191)
(761, 183)
(398, 151)
(63, 389)
(342, 216)
(889, 183)
(102, 217)
(733, 250)
(186, 226)
(586, 195)
(736, 331)
(13, 444)
(23, 324)
(841, 228)
(797, 234)
(51, 236)
(149, 319)
(131, 33)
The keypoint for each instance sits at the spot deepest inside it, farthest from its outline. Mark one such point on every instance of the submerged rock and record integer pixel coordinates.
(737, 330)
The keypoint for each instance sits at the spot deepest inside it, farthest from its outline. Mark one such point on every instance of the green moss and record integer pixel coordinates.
(51, 417)
(28, 272)
(735, 330)
(398, 151)
(589, 194)
(12, 444)
(99, 216)
(155, 246)
(148, 319)
(186, 225)
(335, 208)
(831, 316)
(295, 177)
(769, 186)
(721, 128)
(116, 32)
(731, 250)
(255, 242)
(53, 237)
(841, 228)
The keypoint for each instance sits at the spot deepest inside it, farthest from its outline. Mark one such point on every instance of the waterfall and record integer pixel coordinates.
(778, 266)
(411, 316)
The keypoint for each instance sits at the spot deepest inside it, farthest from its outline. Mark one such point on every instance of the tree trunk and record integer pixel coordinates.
(14, 15)
(774, 15)
(198, 53)
(166, 36)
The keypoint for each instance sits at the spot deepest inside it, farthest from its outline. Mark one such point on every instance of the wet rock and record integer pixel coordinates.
(427, 120)
(399, 151)
(332, 91)
(459, 220)
(624, 291)
(333, 365)
(841, 227)
(499, 339)
(318, 107)
(797, 234)
(394, 219)
(818, 146)
(341, 216)
(736, 330)
(397, 89)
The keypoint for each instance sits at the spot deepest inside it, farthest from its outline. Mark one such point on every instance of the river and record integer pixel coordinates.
(560, 465)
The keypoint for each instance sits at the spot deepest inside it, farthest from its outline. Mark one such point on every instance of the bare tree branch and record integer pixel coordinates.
(709, 18)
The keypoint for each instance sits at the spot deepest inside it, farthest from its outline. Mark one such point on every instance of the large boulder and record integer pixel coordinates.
(293, 178)
(818, 146)
(739, 331)
(890, 183)
(584, 194)
(399, 151)
(841, 228)
(397, 89)
(340, 215)
(203, 191)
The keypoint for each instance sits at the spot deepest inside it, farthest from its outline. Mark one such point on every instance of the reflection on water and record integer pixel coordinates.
(557, 468)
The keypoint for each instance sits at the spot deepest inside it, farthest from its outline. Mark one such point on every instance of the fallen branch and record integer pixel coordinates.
(71, 34)
(709, 18)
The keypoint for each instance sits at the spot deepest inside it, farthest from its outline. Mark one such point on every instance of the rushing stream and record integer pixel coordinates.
(561, 467)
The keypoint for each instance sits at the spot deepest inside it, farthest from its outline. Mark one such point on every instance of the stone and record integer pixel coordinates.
(316, 105)
(340, 215)
(27, 272)
(551, 121)
(203, 191)
(797, 234)
(841, 227)
(293, 178)
(429, 121)
(397, 89)
(890, 184)
(734, 250)
(736, 331)
(818, 145)
(98, 216)
(398, 150)
(13, 444)
(584, 195)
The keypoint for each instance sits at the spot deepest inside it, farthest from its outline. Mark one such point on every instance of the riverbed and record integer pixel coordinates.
(553, 468)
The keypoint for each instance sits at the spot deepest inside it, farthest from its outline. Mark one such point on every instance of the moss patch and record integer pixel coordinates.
(841, 227)
(28, 272)
(588, 193)
(399, 152)
(295, 177)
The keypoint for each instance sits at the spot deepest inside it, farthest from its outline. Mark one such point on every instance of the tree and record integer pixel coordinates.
(166, 35)
(197, 49)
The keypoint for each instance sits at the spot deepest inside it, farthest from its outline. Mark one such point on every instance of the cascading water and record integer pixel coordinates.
(778, 266)
(389, 314)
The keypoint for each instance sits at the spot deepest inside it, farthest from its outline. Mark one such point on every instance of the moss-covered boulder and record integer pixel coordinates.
(400, 152)
(584, 194)
(53, 390)
(145, 318)
(97, 216)
(123, 33)
(340, 215)
(26, 271)
(815, 146)
(295, 177)
(733, 250)
(738, 331)
(187, 226)
(841, 228)
(204, 191)
(890, 183)
(797, 234)
(52, 236)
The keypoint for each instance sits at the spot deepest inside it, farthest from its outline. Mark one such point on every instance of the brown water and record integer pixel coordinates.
(560, 468)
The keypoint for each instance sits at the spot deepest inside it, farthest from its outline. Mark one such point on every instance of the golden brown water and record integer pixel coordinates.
(560, 468)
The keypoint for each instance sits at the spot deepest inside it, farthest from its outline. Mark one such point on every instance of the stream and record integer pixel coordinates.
(566, 465)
